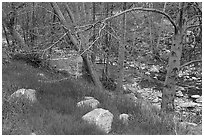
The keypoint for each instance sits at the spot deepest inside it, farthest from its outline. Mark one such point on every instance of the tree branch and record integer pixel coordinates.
(70, 13)
(144, 9)
(196, 16)
(193, 61)
(54, 43)
(192, 26)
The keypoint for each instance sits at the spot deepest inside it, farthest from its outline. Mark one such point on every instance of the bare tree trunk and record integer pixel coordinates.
(169, 90)
(15, 35)
(32, 31)
(150, 29)
(93, 56)
(121, 57)
(10, 25)
(107, 44)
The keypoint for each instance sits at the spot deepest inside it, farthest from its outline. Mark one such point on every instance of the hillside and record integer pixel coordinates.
(56, 111)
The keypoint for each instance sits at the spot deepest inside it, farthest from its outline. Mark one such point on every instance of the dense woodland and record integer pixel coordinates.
(102, 48)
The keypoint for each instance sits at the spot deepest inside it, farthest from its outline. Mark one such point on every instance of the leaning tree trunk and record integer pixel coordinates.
(169, 89)
(87, 61)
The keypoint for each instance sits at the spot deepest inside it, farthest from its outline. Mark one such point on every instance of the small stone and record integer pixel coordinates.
(199, 100)
(179, 94)
(132, 65)
(195, 96)
(194, 78)
(155, 100)
(179, 88)
(124, 118)
(41, 74)
(124, 87)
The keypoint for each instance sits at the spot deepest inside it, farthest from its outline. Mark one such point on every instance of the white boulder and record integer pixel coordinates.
(88, 102)
(101, 118)
(29, 94)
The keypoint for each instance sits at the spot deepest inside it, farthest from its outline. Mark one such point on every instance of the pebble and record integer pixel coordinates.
(179, 94)
(199, 100)
(195, 96)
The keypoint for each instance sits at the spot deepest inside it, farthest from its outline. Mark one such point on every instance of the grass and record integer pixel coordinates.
(56, 113)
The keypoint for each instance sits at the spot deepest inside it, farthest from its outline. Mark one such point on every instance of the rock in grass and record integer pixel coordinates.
(89, 103)
(28, 94)
(179, 94)
(179, 88)
(195, 96)
(155, 100)
(101, 118)
(191, 128)
(199, 100)
(124, 118)
(189, 105)
(185, 124)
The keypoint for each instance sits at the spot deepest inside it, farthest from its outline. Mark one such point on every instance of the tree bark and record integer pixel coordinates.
(150, 29)
(169, 89)
(93, 56)
(33, 20)
(119, 87)
(107, 39)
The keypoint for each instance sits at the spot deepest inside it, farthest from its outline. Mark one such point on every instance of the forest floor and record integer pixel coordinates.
(56, 111)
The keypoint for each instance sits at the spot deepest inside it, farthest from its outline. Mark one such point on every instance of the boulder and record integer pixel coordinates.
(124, 118)
(89, 103)
(101, 118)
(28, 94)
